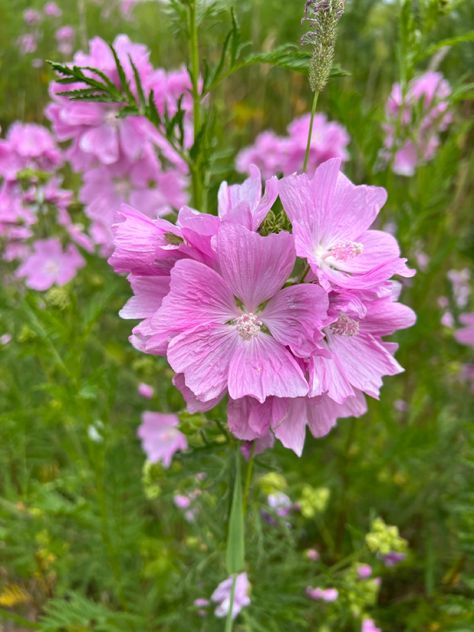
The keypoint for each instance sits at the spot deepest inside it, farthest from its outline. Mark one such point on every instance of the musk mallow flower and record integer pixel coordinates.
(465, 335)
(322, 594)
(222, 595)
(331, 220)
(238, 328)
(274, 154)
(414, 121)
(160, 437)
(48, 264)
(368, 625)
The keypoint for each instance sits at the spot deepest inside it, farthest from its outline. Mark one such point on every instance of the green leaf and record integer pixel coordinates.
(122, 76)
(451, 41)
(235, 554)
(138, 83)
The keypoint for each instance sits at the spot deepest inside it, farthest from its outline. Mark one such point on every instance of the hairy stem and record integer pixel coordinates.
(310, 132)
(196, 174)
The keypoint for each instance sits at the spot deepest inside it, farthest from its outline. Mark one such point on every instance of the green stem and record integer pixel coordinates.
(196, 175)
(229, 621)
(248, 479)
(310, 132)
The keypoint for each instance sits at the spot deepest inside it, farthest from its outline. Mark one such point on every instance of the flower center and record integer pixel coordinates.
(345, 249)
(110, 118)
(52, 267)
(345, 326)
(248, 325)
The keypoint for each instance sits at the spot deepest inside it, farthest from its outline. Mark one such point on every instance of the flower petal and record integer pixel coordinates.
(254, 267)
(261, 367)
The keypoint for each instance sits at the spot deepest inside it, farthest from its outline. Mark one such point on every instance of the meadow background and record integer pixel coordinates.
(90, 537)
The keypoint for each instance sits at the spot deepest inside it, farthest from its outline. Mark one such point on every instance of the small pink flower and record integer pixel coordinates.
(52, 10)
(222, 594)
(160, 437)
(368, 625)
(415, 120)
(31, 16)
(465, 335)
(274, 154)
(312, 555)
(364, 571)
(322, 594)
(28, 43)
(50, 265)
(181, 501)
(145, 390)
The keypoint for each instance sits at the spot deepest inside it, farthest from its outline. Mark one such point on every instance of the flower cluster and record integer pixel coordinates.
(415, 120)
(31, 200)
(285, 154)
(29, 41)
(289, 326)
(122, 159)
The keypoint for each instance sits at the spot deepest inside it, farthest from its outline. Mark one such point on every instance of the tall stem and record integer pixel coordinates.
(248, 479)
(310, 132)
(196, 175)
(229, 620)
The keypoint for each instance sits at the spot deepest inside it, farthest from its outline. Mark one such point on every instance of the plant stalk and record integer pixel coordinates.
(310, 132)
(196, 172)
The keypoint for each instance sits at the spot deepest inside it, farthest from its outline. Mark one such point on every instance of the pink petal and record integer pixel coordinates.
(149, 292)
(295, 316)
(203, 356)
(254, 267)
(261, 367)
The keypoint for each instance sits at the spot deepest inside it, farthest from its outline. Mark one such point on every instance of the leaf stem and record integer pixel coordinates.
(310, 131)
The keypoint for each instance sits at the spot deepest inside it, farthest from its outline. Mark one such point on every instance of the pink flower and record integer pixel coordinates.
(65, 38)
(465, 335)
(415, 120)
(219, 343)
(50, 265)
(312, 554)
(275, 154)
(160, 437)
(52, 10)
(331, 218)
(364, 571)
(28, 43)
(461, 286)
(142, 184)
(31, 16)
(235, 317)
(145, 390)
(322, 594)
(222, 595)
(28, 145)
(244, 203)
(393, 558)
(368, 625)
(265, 153)
(94, 128)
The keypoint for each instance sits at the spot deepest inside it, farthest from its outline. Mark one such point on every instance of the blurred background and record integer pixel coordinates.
(91, 536)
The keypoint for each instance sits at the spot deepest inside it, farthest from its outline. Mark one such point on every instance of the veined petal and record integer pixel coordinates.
(261, 367)
(254, 267)
(203, 356)
(296, 315)
(363, 361)
(149, 292)
(198, 297)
